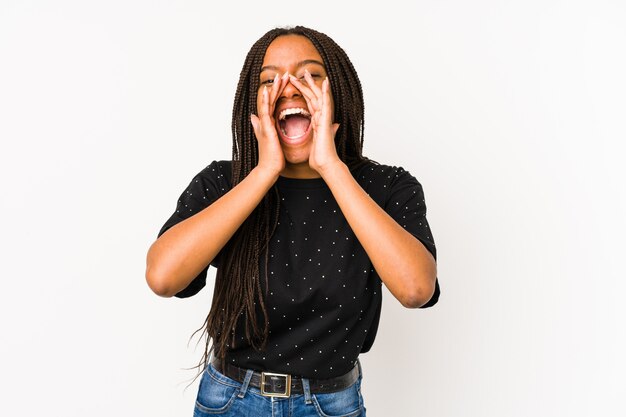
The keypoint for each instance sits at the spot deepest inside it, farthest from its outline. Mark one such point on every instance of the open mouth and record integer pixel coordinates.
(294, 123)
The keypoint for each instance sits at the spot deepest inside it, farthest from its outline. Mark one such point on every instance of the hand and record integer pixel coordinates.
(271, 156)
(320, 102)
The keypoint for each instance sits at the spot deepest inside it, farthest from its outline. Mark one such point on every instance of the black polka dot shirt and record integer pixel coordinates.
(324, 296)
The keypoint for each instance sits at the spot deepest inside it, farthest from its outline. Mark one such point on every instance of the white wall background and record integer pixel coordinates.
(510, 114)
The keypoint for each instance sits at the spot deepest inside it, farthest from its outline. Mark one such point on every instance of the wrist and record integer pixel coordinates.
(267, 174)
(331, 169)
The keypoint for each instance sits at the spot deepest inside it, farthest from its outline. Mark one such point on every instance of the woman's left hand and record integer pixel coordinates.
(320, 102)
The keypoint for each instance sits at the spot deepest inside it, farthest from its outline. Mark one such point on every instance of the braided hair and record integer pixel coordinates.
(238, 295)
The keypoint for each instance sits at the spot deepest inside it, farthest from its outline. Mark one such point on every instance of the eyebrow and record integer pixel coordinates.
(299, 64)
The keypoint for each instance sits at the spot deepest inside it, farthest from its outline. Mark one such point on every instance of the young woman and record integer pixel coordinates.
(303, 230)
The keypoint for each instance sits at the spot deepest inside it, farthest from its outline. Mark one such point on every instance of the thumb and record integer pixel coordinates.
(255, 123)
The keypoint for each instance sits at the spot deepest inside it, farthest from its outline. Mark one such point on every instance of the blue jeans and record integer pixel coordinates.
(220, 395)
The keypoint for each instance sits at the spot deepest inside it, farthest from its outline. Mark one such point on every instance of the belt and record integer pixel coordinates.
(283, 385)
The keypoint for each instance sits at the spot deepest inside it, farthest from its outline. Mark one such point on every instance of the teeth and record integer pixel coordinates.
(295, 110)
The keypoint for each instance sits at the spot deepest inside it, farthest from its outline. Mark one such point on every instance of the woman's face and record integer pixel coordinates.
(292, 54)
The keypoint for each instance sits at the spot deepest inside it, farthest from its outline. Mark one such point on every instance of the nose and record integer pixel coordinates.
(290, 91)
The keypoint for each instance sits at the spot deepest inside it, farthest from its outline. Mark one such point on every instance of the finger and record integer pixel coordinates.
(255, 124)
(312, 106)
(280, 86)
(263, 105)
(309, 96)
(326, 87)
(304, 89)
(266, 116)
(272, 92)
(327, 100)
(311, 82)
(266, 125)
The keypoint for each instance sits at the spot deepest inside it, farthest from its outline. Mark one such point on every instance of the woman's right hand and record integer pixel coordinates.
(181, 253)
(271, 156)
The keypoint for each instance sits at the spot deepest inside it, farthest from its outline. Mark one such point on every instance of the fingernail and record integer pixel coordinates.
(286, 75)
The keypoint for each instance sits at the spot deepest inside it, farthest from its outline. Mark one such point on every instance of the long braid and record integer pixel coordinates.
(238, 293)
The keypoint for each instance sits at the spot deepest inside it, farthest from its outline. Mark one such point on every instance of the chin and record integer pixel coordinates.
(297, 151)
(296, 156)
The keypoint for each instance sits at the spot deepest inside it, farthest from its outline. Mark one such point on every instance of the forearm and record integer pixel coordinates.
(403, 263)
(184, 250)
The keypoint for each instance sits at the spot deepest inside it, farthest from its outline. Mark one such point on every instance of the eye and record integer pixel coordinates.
(313, 75)
(267, 78)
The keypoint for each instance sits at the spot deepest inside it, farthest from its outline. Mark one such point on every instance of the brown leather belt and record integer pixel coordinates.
(283, 385)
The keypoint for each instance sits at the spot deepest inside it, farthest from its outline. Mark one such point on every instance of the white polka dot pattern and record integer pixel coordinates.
(324, 296)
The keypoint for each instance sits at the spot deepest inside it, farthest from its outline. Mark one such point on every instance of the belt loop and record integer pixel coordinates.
(307, 391)
(246, 382)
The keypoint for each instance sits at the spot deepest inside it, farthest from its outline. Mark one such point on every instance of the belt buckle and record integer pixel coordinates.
(287, 392)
